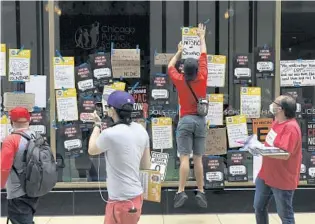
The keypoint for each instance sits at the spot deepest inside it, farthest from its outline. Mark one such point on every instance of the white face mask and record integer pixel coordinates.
(273, 109)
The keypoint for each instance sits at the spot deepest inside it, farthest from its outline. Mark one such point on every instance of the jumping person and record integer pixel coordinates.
(191, 130)
(21, 208)
(126, 148)
(279, 175)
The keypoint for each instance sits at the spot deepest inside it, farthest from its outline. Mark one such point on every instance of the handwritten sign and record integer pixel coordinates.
(162, 58)
(64, 73)
(251, 102)
(159, 163)
(215, 111)
(3, 63)
(12, 100)
(261, 127)
(67, 108)
(191, 43)
(297, 73)
(216, 141)
(237, 130)
(126, 63)
(216, 70)
(19, 65)
(162, 135)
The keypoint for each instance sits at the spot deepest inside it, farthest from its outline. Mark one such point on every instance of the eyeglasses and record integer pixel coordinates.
(277, 103)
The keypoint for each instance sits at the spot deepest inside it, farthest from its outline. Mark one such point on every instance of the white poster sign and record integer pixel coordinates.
(64, 72)
(251, 102)
(216, 70)
(37, 85)
(19, 65)
(191, 43)
(297, 73)
(237, 130)
(67, 107)
(162, 135)
(215, 109)
(159, 163)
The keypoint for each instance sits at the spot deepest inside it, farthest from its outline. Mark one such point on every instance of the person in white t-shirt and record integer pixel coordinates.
(126, 148)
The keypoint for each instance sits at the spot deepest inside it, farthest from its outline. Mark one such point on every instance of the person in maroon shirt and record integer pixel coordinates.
(191, 130)
(279, 175)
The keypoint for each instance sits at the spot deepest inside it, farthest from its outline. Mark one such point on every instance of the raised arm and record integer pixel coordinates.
(177, 56)
(201, 32)
(203, 63)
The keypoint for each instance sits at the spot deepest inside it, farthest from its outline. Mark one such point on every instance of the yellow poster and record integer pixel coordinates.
(64, 72)
(3, 59)
(215, 111)
(216, 70)
(251, 102)
(19, 65)
(237, 130)
(67, 107)
(5, 127)
(191, 43)
(162, 135)
(151, 183)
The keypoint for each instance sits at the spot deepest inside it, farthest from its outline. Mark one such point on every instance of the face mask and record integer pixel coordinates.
(272, 109)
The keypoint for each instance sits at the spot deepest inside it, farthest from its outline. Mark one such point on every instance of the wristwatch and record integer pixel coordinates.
(97, 125)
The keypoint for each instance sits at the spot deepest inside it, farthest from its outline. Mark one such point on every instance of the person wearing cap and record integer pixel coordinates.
(21, 208)
(126, 147)
(191, 130)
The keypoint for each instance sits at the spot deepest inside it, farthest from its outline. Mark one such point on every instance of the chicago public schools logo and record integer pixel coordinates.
(87, 36)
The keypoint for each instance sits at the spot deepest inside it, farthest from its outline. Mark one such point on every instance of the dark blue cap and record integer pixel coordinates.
(118, 99)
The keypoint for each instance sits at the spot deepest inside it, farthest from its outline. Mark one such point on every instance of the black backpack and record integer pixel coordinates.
(39, 173)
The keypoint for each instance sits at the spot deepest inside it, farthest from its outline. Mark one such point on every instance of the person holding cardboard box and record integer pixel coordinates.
(126, 147)
(191, 131)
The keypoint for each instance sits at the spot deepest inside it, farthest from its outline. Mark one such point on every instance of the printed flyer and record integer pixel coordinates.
(71, 135)
(213, 167)
(237, 169)
(84, 80)
(159, 163)
(242, 71)
(101, 68)
(264, 57)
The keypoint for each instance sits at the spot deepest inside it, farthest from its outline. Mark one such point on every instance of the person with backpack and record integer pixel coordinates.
(191, 86)
(126, 146)
(28, 168)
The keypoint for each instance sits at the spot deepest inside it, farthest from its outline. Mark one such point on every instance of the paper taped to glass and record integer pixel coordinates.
(12, 100)
(151, 183)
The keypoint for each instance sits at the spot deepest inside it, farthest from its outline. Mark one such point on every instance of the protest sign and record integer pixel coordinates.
(126, 63)
(237, 169)
(251, 102)
(261, 127)
(39, 123)
(216, 70)
(64, 72)
(84, 80)
(19, 65)
(101, 68)
(191, 43)
(67, 108)
(215, 109)
(12, 100)
(159, 163)
(71, 136)
(162, 136)
(237, 130)
(162, 58)
(213, 168)
(3, 60)
(140, 94)
(311, 135)
(37, 85)
(242, 71)
(216, 143)
(264, 57)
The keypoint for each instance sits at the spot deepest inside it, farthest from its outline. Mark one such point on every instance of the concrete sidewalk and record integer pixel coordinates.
(301, 218)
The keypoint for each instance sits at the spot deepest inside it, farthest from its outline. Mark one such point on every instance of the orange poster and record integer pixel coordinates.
(261, 127)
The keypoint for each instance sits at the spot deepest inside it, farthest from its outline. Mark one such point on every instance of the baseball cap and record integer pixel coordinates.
(20, 114)
(118, 99)
(190, 68)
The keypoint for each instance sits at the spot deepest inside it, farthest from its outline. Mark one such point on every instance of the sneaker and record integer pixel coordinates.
(179, 199)
(201, 199)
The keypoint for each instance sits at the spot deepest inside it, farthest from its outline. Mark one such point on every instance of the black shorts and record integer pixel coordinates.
(21, 210)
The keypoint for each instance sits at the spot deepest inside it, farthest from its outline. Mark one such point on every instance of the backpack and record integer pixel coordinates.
(39, 174)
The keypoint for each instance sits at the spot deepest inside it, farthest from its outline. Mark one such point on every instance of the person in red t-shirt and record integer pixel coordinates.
(279, 175)
(191, 130)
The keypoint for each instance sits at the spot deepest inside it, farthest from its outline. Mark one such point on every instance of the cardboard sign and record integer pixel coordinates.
(297, 73)
(162, 58)
(3, 60)
(64, 72)
(251, 102)
(261, 127)
(151, 183)
(140, 94)
(264, 57)
(39, 123)
(162, 135)
(216, 70)
(304, 165)
(67, 108)
(310, 135)
(191, 43)
(72, 137)
(237, 170)
(12, 100)
(311, 169)
(126, 63)
(213, 172)
(84, 80)
(19, 65)
(242, 71)
(159, 163)
(102, 68)
(216, 143)
(237, 130)
(215, 109)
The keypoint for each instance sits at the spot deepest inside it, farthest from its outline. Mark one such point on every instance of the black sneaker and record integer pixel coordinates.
(179, 199)
(201, 200)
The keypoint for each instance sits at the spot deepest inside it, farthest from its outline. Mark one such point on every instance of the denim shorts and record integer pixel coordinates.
(191, 135)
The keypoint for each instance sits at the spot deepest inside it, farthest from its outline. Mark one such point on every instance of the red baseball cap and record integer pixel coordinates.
(20, 114)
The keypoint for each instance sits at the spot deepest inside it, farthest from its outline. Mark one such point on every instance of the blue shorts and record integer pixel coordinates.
(191, 135)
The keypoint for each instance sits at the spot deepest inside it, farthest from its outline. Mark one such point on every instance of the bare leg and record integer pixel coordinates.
(198, 168)
(183, 172)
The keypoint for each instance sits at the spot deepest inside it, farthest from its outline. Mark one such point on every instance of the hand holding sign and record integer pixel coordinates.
(201, 31)
(180, 47)
(96, 118)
